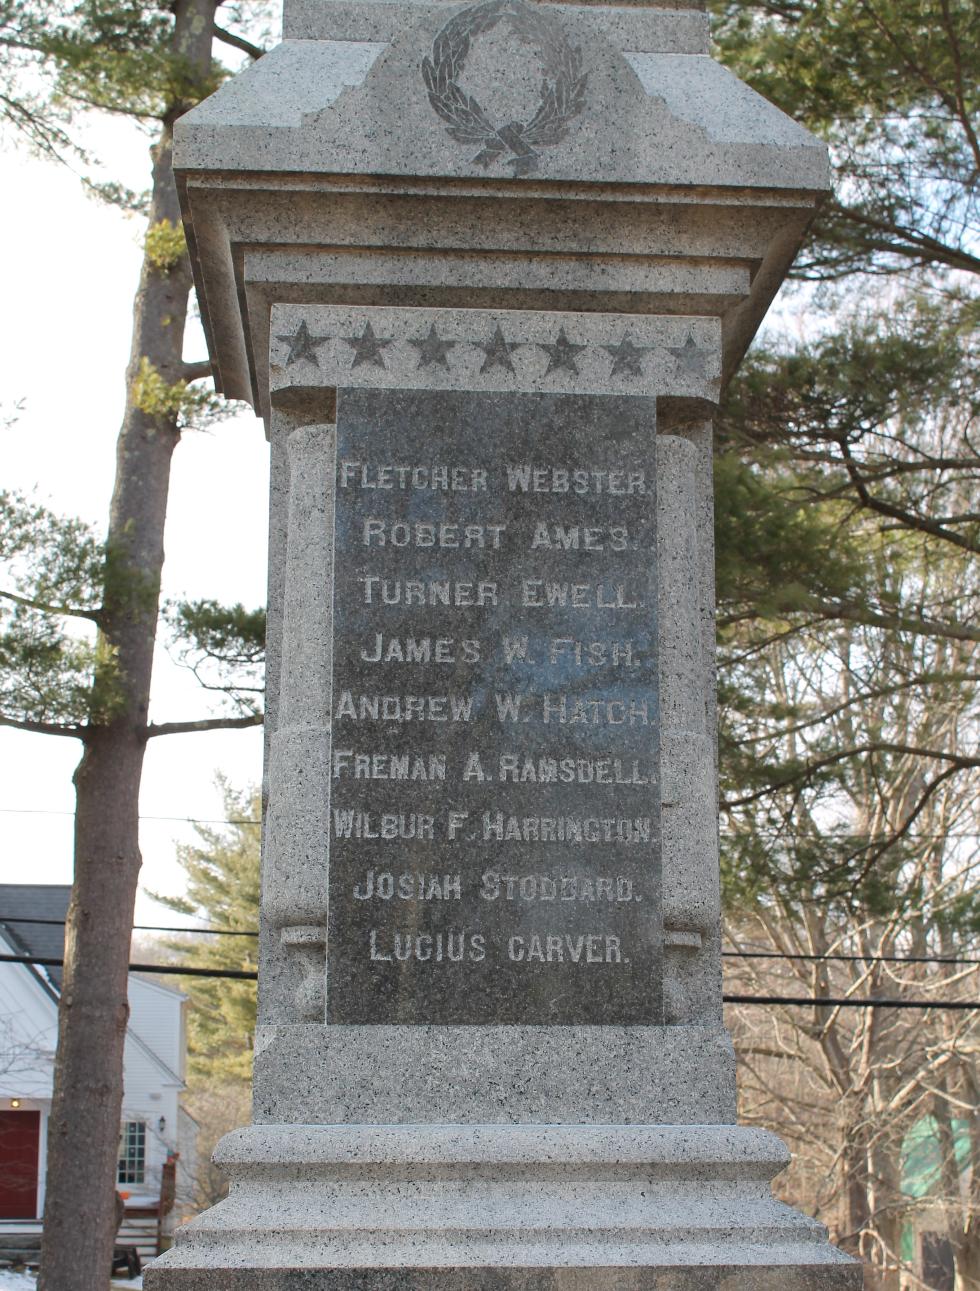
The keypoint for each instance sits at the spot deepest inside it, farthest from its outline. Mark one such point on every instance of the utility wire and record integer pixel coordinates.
(842, 1002)
(164, 970)
(726, 954)
(220, 820)
(846, 959)
(142, 927)
(184, 820)
(845, 1002)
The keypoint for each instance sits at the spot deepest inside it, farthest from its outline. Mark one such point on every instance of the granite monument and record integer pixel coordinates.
(484, 270)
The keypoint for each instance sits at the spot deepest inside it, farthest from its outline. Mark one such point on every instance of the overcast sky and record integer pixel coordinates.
(71, 267)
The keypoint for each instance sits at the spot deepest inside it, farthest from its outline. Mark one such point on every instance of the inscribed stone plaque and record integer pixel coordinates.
(495, 805)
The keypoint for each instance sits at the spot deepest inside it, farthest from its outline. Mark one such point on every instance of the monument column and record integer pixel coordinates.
(484, 270)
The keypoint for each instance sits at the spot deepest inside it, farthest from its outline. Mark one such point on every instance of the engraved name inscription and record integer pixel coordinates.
(494, 840)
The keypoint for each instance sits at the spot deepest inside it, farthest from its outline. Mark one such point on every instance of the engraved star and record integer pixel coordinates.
(627, 357)
(561, 354)
(497, 351)
(432, 348)
(302, 345)
(367, 347)
(689, 357)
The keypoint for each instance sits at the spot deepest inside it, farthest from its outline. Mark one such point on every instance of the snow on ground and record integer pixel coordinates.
(16, 1281)
(27, 1281)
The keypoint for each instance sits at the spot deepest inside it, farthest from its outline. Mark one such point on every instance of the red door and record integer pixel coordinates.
(19, 1136)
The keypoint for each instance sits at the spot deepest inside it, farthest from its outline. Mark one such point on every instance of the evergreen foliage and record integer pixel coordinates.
(849, 599)
(848, 470)
(222, 873)
(80, 611)
(894, 88)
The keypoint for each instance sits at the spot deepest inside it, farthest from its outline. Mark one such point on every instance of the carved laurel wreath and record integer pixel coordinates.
(562, 89)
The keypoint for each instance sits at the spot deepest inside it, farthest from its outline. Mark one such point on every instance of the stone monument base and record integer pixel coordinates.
(502, 1208)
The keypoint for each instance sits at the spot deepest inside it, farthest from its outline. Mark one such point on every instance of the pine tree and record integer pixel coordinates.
(847, 535)
(222, 876)
(150, 63)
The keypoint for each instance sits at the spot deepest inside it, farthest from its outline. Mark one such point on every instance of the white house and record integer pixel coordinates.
(155, 1128)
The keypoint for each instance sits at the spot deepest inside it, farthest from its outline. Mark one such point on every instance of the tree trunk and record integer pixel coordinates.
(856, 1203)
(79, 1212)
(83, 1131)
(966, 1247)
(887, 1212)
(967, 1276)
(960, 1186)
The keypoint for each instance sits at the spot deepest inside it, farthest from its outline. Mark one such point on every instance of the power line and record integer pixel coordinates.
(183, 820)
(243, 975)
(142, 927)
(774, 831)
(726, 954)
(845, 1002)
(164, 970)
(846, 959)
(219, 820)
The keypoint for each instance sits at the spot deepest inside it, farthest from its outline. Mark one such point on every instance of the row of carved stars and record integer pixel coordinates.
(433, 351)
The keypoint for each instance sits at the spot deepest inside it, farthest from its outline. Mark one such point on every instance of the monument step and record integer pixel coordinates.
(726, 1277)
(716, 1152)
(329, 1205)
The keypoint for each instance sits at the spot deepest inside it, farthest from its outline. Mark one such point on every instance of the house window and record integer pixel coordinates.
(938, 1267)
(132, 1153)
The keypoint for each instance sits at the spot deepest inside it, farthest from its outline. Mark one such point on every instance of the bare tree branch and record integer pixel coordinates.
(908, 519)
(961, 761)
(196, 371)
(238, 42)
(69, 611)
(206, 724)
(74, 732)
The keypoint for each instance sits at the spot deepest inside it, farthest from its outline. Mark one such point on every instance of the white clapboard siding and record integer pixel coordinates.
(28, 1031)
(156, 1017)
(153, 1060)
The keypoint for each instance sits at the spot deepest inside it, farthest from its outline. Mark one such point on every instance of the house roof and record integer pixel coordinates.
(20, 901)
(160, 983)
(20, 905)
(27, 901)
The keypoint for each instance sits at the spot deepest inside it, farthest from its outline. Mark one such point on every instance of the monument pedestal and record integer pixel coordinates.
(521, 1207)
(484, 270)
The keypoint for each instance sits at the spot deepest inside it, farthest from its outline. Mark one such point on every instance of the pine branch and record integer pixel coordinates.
(899, 239)
(907, 519)
(958, 761)
(205, 724)
(42, 728)
(963, 113)
(69, 611)
(254, 52)
(196, 371)
(921, 626)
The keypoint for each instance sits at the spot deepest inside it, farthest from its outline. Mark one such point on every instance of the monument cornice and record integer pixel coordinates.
(492, 244)
(504, 155)
(499, 187)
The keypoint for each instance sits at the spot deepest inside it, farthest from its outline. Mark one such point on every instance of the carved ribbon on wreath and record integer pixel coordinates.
(562, 89)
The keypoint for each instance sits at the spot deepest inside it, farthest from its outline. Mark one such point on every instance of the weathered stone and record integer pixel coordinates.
(509, 1206)
(484, 270)
(488, 351)
(573, 1075)
(494, 850)
(728, 1277)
